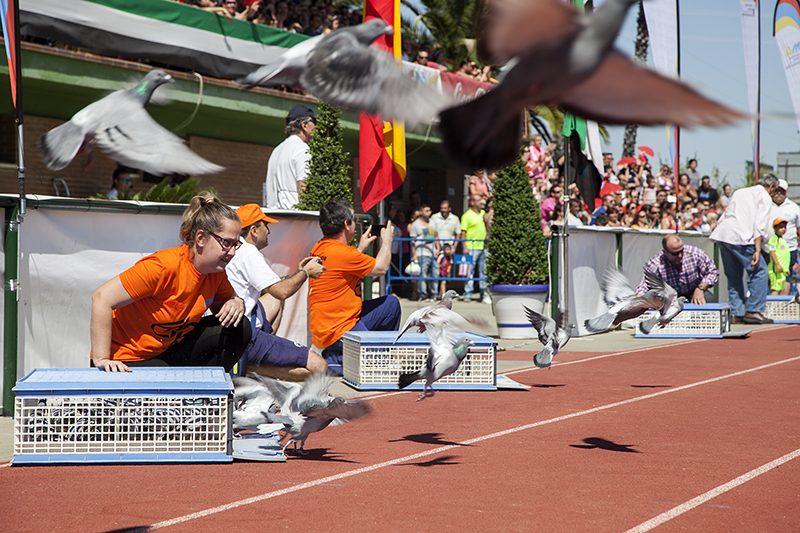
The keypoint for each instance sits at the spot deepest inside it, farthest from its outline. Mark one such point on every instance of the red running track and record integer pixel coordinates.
(697, 436)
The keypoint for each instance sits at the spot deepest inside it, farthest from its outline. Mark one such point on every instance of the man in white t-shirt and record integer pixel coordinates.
(287, 167)
(786, 209)
(446, 224)
(256, 283)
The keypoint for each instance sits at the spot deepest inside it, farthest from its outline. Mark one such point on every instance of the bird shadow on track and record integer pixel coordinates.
(596, 443)
(134, 529)
(317, 454)
(548, 385)
(651, 386)
(428, 438)
(438, 461)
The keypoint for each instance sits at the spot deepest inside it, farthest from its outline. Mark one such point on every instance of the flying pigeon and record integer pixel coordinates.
(622, 302)
(436, 313)
(673, 304)
(444, 357)
(552, 334)
(120, 126)
(342, 69)
(309, 408)
(564, 58)
(253, 404)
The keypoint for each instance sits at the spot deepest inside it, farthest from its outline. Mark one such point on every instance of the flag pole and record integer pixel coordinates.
(676, 162)
(757, 151)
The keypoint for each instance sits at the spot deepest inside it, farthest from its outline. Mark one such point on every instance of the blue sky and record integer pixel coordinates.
(712, 61)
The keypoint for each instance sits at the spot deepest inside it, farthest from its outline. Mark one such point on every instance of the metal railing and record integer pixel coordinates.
(396, 270)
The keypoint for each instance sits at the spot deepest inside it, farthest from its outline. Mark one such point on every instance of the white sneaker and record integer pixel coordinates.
(487, 300)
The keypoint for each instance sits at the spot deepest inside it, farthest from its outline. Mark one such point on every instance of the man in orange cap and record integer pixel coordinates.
(263, 293)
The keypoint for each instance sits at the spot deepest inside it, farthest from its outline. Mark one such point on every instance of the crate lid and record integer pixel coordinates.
(706, 307)
(409, 338)
(141, 381)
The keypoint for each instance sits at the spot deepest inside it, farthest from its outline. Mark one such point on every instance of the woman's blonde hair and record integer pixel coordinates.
(205, 212)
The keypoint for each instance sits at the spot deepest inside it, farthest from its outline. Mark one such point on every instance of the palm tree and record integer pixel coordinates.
(453, 26)
(642, 42)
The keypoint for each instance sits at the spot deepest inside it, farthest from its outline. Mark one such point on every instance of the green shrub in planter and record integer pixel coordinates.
(517, 251)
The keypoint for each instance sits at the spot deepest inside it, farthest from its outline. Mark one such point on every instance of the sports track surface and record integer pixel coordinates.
(698, 435)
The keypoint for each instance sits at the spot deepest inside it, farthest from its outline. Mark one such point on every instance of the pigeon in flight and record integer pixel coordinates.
(552, 334)
(342, 69)
(673, 304)
(444, 357)
(120, 126)
(436, 314)
(253, 404)
(309, 408)
(563, 58)
(622, 302)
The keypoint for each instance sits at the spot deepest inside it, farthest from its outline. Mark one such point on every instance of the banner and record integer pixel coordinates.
(662, 25)
(8, 11)
(381, 145)
(751, 38)
(787, 35)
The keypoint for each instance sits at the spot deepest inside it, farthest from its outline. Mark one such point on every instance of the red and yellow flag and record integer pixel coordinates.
(381, 144)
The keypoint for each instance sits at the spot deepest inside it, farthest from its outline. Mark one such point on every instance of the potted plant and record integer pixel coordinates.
(516, 267)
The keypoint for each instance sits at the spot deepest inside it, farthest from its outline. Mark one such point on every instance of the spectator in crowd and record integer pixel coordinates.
(263, 293)
(650, 191)
(686, 268)
(686, 193)
(664, 178)
(740, 232)
(549, 205)
(424, 251)
(134, 319)
(334, 300)
(446, 225)
(783, 207)
(287, 167)
(577, 216)
(445, 264)
(778, 259)
(540, 157)
(331, 23)
(608, 203)
(705, 192)
(479, 185)
(121, 181)
(725, 199)
(693, 174)
(669, 213)
(414, 201)
(473, 228)
(641, 221)
(654, 216)
(557, 219)
(601, 219)
(422, 58)
(614, 218)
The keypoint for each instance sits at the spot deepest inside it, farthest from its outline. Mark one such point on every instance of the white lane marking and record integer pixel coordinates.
(713, 493)
(329, 479)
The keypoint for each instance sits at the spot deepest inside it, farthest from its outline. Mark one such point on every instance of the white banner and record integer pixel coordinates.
(787, 36)
(751, 37)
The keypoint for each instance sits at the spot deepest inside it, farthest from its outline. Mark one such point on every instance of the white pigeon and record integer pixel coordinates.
(342, 69)
(552, 334)
(673, 304)
(444, 357)
(253, 404)
(622, 302)
(436, 314)
(309, 408)
(120, 126)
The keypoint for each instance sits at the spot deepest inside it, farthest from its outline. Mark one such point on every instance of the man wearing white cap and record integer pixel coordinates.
(287, 167)
(783, 207)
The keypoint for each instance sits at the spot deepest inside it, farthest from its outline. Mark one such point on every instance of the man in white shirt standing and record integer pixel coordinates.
(287, 167)
(446, 224)
(740, 232)
(256, 283)
(788, 210)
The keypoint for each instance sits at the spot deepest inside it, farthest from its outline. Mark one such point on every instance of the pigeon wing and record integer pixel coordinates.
(545, 326)
(616, 287)
(342, 409)
(622, 92)
(346, 74)
(285, 70)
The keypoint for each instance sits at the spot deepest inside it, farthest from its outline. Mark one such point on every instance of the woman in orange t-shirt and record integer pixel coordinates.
(152, 314)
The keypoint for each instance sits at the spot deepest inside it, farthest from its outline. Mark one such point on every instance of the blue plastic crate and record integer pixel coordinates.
(782, 310)
(372, 362)
(708, 321)
(150, 415)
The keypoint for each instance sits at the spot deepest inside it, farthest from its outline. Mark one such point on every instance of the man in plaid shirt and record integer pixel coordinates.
(687, 269)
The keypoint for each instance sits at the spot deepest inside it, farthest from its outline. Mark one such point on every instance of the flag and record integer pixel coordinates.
(381, 144)
(751, 37)
(9, 10)
(787, 35)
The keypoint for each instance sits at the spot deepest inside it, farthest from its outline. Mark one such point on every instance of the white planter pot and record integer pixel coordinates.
(508, 302)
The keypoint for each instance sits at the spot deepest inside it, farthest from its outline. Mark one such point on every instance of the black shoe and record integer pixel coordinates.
(737, 320)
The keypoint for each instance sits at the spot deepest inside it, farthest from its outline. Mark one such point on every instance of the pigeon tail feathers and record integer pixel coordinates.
(60, 145)
(600, 323)
(407, 379)
(646, 326)
(544, 358)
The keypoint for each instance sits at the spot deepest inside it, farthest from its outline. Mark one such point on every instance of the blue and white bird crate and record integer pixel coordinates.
(782, 310)
(708, 321)
(372, 362)
(150, 415)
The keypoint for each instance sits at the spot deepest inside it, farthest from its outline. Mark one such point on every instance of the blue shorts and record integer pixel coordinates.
(268, 349)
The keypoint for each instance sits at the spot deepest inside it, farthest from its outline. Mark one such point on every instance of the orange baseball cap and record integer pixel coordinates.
(778, 221)
(249, 214)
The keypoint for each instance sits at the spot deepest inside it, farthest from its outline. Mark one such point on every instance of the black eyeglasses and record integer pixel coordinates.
(226, 244)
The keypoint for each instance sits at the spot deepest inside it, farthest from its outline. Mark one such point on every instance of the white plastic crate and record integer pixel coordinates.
(695, 321)
(150, 415)
(372, 362)
(781, 311)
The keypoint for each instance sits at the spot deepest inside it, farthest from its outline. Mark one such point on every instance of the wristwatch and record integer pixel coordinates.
(702, 286)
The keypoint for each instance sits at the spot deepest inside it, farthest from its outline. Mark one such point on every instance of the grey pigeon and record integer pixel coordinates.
(552, 334)
(622, 302)
(253, 404)
(309, 408)
(673, 304)
(120, 126)
(566, 59)
(444, 357)
(342, 69)
(436, 313)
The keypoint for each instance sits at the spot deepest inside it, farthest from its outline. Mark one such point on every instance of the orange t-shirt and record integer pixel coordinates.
(170, 297)
(335, 298)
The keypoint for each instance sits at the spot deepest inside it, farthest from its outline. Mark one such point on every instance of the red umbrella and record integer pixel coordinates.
(646, 150)
(626, 161)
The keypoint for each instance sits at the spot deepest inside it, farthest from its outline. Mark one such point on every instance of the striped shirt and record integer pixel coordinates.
(696, 268)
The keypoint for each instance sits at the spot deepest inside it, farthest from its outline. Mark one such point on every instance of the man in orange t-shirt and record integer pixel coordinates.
(335, 299)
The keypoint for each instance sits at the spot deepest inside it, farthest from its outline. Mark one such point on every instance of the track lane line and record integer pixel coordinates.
(713, 493)
(377, 466)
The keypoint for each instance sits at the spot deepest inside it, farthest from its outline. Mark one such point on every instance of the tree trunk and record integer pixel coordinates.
(642, 42)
